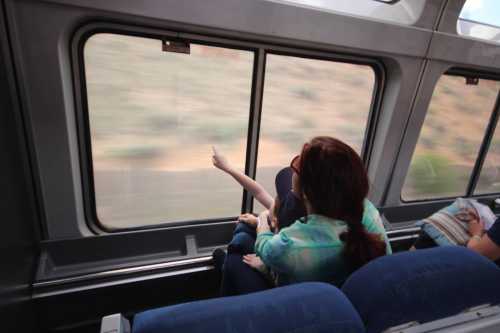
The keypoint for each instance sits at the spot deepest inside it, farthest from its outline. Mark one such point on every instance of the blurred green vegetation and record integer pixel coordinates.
(432, 175)
(136, 152)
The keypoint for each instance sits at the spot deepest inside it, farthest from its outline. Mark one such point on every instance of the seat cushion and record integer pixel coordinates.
(305, 307)
(421, 286)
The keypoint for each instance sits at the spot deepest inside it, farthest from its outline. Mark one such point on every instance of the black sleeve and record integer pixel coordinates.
(494, 232)
(424, 241)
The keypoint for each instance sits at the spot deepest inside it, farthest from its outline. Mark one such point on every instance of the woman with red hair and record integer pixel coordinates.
(342, 230)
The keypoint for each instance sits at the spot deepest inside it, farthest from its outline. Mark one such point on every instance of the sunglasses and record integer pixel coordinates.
(295, 164)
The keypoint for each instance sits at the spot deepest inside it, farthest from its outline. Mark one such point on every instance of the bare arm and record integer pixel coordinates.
(262, 224)
(258, 192)
(481, 242)
(485, 246)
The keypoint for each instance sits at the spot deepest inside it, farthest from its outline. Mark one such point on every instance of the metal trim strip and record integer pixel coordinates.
(122, 271)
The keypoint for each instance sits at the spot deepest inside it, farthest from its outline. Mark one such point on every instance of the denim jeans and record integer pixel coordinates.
(243, 241)
(237, 277)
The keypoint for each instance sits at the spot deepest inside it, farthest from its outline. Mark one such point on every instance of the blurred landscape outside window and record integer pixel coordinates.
(489, 178)
(304, 98)
(153, 118)
(450, 138)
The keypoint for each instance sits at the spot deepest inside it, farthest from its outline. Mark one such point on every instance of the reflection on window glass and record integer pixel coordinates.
(400, 11)
(489, 179)
(480, 19)
(482, 11)
(450, 139)
(304, 98)
(153, 118)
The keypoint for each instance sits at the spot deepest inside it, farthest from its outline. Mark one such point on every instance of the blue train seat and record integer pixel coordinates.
(305, 307)
(419, 286)
(422, 286)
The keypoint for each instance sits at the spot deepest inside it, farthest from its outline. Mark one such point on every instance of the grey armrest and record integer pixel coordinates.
(115, 323)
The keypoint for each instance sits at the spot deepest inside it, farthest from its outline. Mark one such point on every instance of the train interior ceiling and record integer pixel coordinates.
(110, 109)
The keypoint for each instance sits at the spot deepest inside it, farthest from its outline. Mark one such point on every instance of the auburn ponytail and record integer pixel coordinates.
(333, 179)
(361, 246)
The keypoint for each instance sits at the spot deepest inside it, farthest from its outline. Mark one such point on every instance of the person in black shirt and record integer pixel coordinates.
(486, 243)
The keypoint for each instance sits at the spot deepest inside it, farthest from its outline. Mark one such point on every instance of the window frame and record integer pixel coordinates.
(84, 134)
(260, 51)
(483, 147)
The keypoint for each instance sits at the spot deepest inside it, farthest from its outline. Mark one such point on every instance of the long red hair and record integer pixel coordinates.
(334, 182)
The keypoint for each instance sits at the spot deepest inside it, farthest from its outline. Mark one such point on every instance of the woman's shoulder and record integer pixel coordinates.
(369, 206)
(372, 221)
(295, 226)
(370, 211)
(304, 225)
(371, 218)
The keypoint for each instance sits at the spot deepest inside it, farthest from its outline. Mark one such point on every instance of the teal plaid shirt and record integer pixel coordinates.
(312, 251)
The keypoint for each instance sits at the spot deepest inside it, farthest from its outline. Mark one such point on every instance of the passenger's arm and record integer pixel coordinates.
(249, 219)
(257, 191)
(482, 243)
(271, 248)
(485, 246)
(262, 222)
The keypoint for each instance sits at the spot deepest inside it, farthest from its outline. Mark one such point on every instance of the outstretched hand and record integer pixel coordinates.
(475, 224)
(220, 161)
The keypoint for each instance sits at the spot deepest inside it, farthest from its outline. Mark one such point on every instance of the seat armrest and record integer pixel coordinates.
(115, 323)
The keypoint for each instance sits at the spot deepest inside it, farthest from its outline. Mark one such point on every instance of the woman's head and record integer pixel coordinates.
(332, 180)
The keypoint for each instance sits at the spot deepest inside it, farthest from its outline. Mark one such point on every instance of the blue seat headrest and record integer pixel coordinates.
(422, 286)
(305, 307)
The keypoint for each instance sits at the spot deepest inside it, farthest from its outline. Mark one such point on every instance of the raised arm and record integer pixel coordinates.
(258, 192)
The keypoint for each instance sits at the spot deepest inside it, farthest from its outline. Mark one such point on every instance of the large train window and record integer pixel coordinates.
(451, 138)
(153, 117)
(309, 97)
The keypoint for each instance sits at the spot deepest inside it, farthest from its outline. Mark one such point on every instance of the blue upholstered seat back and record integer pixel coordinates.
(305, 307)
(421, 285)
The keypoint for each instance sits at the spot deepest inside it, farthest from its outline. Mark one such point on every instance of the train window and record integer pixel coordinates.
(480, 19)
(309, 97)
(450, 138)
(489, 178)
(153, 117)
